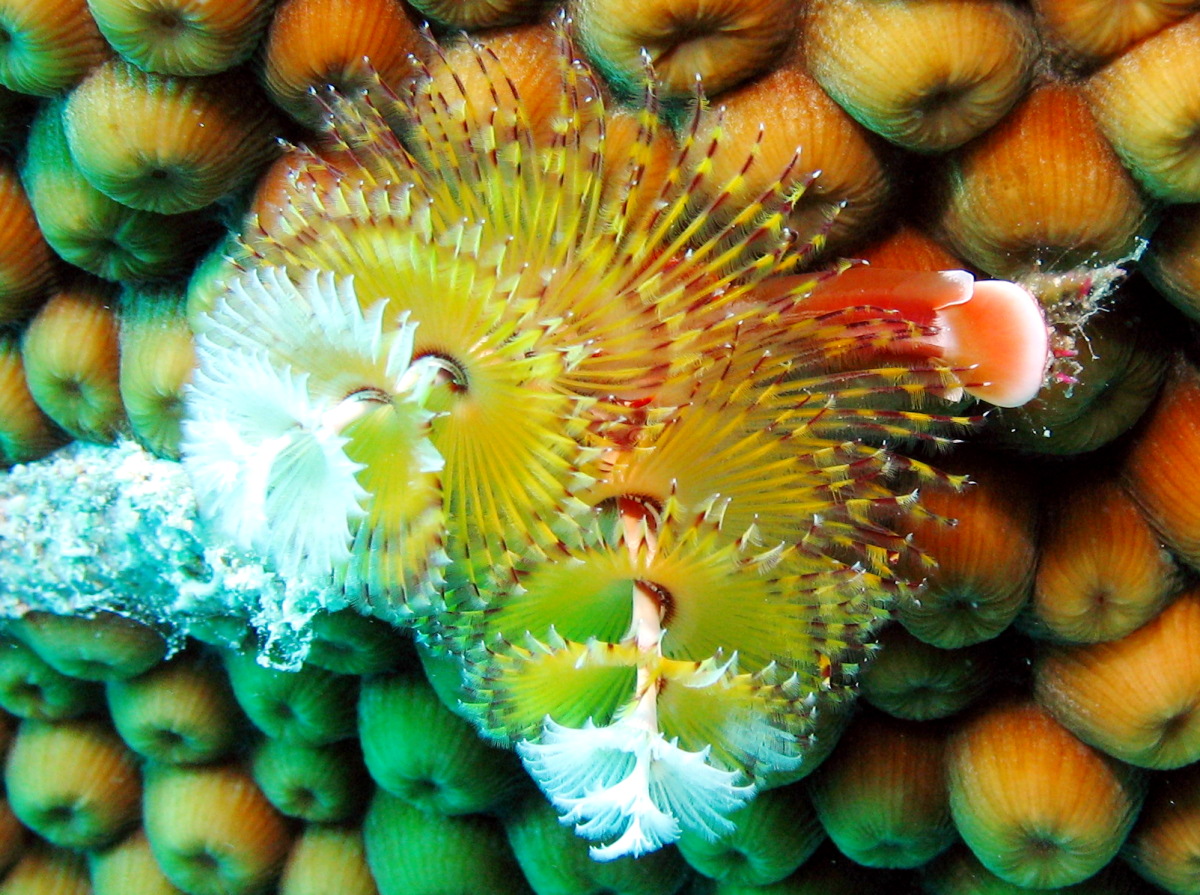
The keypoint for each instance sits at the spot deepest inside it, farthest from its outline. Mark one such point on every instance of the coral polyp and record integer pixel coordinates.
(610, 449)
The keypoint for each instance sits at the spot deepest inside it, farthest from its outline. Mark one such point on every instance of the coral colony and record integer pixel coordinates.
(585, 428)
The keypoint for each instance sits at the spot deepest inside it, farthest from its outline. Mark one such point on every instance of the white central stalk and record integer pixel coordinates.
(625, 780)
(352, 408)
(646, 619)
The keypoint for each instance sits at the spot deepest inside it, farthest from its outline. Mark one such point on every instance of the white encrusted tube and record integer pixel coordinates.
(94, 528)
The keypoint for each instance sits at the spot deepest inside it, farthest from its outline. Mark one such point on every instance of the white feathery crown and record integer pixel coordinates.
(282, 369)
(630, 782)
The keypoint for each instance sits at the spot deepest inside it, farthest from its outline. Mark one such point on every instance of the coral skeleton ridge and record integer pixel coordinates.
(597, 438)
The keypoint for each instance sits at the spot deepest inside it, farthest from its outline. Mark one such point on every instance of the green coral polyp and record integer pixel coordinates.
(605, 447)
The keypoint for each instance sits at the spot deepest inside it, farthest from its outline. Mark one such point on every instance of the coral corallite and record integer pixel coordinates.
(613, 453)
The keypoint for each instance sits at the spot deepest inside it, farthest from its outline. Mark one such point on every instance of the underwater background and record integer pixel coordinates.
(447, 448)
